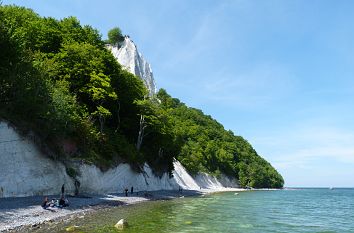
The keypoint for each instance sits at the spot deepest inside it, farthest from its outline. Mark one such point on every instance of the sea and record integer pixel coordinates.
(291, 210)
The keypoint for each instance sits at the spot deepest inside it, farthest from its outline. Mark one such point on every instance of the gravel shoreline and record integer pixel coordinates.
(20, 213)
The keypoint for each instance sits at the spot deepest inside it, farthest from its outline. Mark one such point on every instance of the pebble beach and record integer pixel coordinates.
(20, 213)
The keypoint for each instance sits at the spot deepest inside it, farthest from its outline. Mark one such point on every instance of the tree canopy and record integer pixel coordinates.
(59, 81)
(115, 36)
(204, 145)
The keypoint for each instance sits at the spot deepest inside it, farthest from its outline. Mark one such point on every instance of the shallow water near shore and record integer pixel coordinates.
(302, 210)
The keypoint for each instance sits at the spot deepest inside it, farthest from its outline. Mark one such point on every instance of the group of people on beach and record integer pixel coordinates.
(60, 203)
(126, 191)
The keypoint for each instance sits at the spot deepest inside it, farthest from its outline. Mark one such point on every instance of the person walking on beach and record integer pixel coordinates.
(132, 190)
(77, 186)
(126, 191)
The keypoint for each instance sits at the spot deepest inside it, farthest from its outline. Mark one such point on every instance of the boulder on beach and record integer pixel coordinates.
(121, 224)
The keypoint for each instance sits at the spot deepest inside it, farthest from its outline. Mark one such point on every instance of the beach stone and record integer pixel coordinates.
(121, 224)
(71, 228)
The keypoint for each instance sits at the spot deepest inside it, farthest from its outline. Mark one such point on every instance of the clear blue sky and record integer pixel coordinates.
(279, 73)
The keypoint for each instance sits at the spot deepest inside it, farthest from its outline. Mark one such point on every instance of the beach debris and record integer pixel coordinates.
(121, 224)
(36, 225)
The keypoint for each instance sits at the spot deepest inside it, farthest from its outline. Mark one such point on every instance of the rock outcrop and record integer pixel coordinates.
(127, 54)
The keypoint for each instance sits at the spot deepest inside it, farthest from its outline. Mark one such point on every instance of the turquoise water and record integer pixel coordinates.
(305, 210)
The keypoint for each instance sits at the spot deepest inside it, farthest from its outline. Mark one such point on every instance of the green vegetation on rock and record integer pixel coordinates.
(58, 80)
(115, 36)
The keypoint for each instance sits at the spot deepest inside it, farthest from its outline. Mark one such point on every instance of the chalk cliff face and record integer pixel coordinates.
(127, 54)
(25, 171)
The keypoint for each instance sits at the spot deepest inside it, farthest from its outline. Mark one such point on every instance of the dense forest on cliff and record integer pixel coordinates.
(58, 81)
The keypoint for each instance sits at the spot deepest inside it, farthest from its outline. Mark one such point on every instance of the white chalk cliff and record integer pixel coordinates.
(127, 54)
(25, 171)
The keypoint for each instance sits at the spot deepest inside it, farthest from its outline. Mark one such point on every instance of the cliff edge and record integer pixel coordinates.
(127, 54)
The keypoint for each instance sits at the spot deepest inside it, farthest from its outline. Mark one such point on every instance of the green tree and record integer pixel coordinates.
(57, 79)
(115, 36)
(207, 146)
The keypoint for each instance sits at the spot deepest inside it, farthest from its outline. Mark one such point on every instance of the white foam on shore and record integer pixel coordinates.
(26, 172)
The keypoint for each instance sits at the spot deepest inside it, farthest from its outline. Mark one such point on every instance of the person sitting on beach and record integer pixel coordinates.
(45, 203)
(62, 202)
